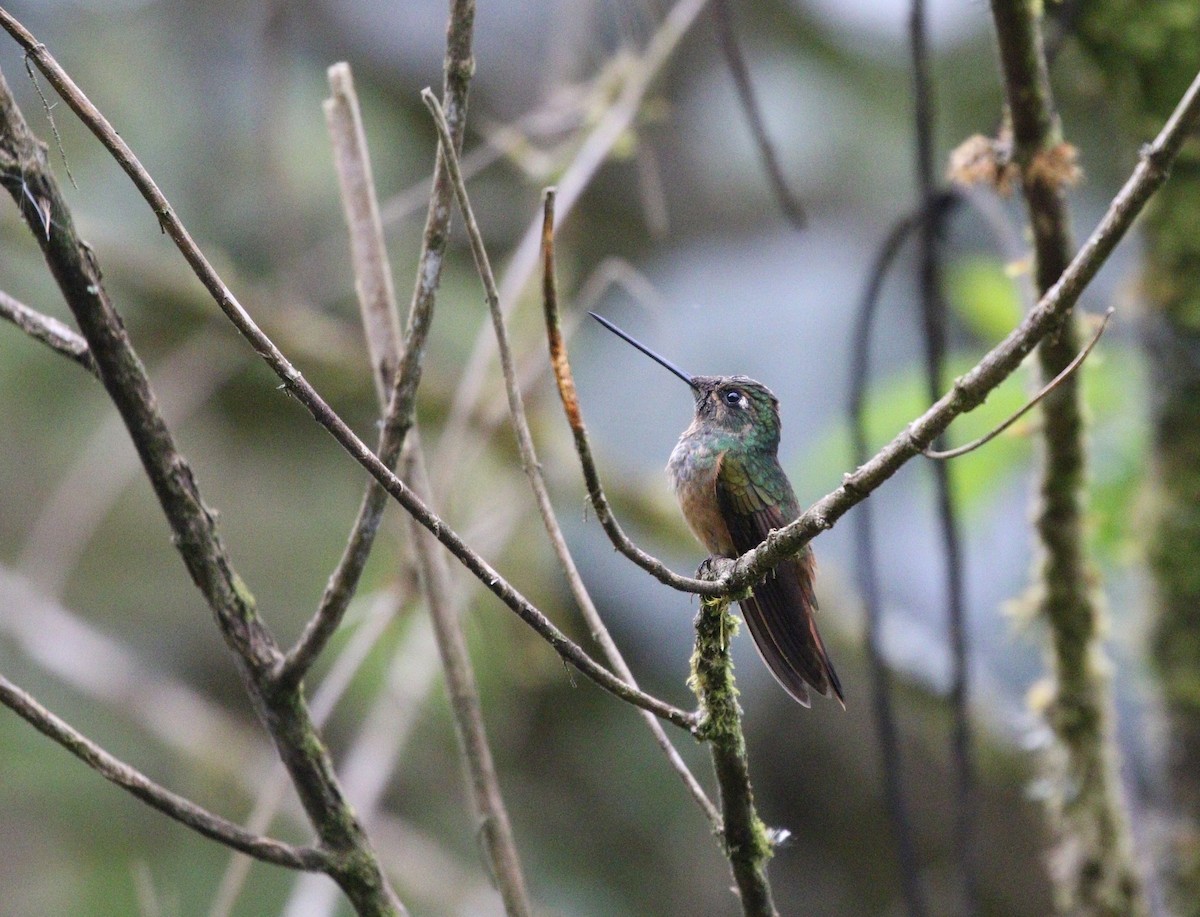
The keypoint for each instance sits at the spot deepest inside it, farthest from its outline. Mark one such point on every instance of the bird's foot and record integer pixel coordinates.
(715, 568)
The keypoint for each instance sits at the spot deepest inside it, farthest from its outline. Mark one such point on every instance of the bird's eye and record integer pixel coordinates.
(733, 397)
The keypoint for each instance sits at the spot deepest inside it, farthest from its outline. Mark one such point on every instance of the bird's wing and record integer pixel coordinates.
(780, 613)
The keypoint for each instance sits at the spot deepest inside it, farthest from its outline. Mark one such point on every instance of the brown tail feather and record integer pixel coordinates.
(780, 616)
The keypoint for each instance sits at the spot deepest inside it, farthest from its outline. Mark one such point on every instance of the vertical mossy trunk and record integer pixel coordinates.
(1147, 54)
(747, 841)
(1093, 865)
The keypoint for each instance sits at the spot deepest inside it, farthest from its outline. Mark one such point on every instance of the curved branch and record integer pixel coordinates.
(566, 388)
(727, 39)
(1028, 405)
(561, 364)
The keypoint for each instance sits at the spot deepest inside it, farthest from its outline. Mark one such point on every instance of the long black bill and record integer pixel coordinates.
(662, 361)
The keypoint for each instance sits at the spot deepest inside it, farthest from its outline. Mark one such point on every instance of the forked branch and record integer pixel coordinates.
(529, 458)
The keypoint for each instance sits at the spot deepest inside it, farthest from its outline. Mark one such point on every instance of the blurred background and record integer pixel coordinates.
(677, 236)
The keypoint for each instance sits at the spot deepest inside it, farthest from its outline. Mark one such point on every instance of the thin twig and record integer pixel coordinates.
(1031, 403)
(1097, 871)
(530, 462)
(727, 39)
(495, 829)
(403, 377)
(49, 330)
(934, 312)
(48, 108)
(128, 778)
(566, 387)
(377, 305)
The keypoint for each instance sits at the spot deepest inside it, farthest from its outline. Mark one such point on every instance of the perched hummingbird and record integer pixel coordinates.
(726, 474)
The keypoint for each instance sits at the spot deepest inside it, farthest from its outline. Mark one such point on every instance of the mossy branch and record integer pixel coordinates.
(1095, 872)
(350, 860)
(746, 839)
(1144, 53)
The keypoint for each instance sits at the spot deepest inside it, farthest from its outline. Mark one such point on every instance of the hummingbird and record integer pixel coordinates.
(732, 491)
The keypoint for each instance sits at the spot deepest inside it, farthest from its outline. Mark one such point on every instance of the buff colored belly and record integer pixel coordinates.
(693, 472)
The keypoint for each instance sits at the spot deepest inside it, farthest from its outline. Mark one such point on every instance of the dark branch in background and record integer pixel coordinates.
(401, 375)
(49, 330)
(867, 568)
(727, 40)
(182, 810)
(934, 314)
(377, 307)
(350, 860)
(1096, 871)
(970, 389)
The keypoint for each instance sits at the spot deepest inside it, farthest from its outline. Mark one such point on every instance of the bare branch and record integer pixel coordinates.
(47, 329)
(128, 778)
(377, 305)
(530, 462)
(400, 376)
(351, 861)
(561, 364)
(1030, 404)
(566, 385)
